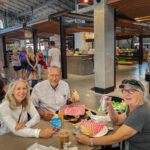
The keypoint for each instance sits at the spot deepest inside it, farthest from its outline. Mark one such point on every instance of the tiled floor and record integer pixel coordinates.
(83, 84)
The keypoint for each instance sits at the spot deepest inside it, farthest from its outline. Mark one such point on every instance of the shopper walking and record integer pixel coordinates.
(1, 70)
(40, 64)
(22, 56)
(54, 56)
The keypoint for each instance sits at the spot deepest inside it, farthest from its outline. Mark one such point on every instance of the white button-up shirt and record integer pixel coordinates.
(45, 98)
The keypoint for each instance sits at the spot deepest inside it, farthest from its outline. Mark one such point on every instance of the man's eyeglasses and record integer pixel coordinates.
(54, 75)
(129, 91)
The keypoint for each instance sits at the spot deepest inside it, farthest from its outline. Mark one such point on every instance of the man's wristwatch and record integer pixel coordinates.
(91, 142)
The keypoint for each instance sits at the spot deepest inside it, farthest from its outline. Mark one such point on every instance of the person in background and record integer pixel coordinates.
(14, 112)
(22, 56)
(40, 64)
(46, 55)
(2, 90)
(16, 64)
(134, 124)
(32, 61)
(54, 58)
(50, 95)
(1, 70)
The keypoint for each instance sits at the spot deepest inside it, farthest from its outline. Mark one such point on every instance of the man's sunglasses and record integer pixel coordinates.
(129, 91)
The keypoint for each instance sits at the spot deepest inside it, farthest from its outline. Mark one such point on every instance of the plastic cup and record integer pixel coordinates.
(64, 137)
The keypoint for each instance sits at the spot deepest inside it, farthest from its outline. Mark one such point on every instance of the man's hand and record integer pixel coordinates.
(20, 125)
(47, 115)
(46, 133)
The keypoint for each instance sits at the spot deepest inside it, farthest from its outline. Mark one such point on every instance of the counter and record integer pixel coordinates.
(81, 65)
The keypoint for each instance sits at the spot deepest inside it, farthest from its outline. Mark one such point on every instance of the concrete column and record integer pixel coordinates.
(104, 47)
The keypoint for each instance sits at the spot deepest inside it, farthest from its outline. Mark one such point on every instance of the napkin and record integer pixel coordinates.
(96, 118)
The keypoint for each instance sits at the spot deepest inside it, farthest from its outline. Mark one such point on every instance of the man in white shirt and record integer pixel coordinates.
(54, 58)
(50, 95)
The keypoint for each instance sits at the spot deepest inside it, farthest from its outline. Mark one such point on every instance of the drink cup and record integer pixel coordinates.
(64, 137)
(104, 103)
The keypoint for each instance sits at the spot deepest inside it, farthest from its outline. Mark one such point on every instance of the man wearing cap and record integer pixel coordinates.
(135, 122)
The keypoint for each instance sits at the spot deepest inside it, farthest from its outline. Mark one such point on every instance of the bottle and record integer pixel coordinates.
(62, 116)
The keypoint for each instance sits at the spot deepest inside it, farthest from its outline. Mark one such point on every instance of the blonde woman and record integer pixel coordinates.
(32, 61)
(14, 112)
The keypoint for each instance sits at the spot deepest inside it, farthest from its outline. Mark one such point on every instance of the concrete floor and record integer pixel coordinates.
(83, 84)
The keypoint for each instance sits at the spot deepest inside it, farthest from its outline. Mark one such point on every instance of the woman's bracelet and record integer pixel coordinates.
(91, 142)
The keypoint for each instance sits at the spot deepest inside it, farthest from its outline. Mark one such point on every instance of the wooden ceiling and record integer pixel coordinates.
(46, 25)
(75, 29)
(132, 8)
(19, 34)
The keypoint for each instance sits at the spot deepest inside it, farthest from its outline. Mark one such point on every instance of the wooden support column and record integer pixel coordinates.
(63, 48)
(35, 41)
(140, 54)
(4, 52)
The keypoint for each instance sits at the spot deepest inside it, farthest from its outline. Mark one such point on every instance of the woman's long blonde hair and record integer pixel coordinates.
(11, 99)
(30, 53)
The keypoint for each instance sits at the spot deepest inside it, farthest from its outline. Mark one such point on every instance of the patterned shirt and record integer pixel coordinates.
(45, 98)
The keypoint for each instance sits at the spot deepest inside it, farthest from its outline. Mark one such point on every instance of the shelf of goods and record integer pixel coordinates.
(127, 56)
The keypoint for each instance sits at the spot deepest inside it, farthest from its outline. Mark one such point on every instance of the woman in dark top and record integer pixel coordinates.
(135, 123)
(32, 61)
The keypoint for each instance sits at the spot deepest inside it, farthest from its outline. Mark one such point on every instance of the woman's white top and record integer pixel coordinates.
(9, 118)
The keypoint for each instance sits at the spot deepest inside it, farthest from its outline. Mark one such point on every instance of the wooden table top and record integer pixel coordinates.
(12, 142)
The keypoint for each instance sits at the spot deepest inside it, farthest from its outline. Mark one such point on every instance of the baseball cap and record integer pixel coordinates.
(134, 84)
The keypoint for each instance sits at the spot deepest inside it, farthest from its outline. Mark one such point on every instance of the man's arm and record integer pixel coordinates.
(48, 115)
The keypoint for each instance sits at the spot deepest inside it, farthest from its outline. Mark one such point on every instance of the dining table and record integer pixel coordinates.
(13, 142)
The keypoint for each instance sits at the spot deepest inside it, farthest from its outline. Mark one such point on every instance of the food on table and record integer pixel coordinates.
(75, 95)
(77, 125)
(91, 128)
(89, 113)
(86, 130)
(73, 110)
